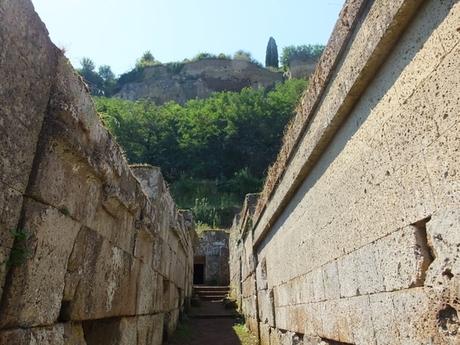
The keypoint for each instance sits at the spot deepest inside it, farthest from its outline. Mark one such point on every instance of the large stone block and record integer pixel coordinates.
(443, 165)
(264, 333)
(266, 306)
(443, 232)
(149, 291)
(118, 226)
(73, 334)
(33, 296)
(101, 280)
(139, 330)
(331, 281)
(292, 318)
(53, 335)
(415, 315)
(386, 330)
(360, 320)
(402, 258)
(10, 208)
(119, 331)
(27, 66)
(62, 179)
(150, 329)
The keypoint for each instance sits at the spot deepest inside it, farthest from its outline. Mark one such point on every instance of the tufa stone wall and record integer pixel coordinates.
(355, 238)
(92, 252)
(212, 252)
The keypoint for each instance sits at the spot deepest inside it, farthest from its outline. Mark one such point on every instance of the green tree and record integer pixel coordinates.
(91, 77)
(204, 56)
(243, 55)
(146, 60)
(271, 56)
(109, 80)
(87, 65)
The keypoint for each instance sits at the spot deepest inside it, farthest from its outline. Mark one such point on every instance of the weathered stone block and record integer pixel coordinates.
(443, 163)
(101, 279)
(402, 258)
(10, 208)
(120, 331)
(66, 182)
(253, 325)
(331, 281)
(73, 334)
(349, 284)
(443, 232)
(171, 319)
(118, 227)
(360, 320)
(27, 66)
(414, 313)
(275, 337)
(150, 329)
(148, 291)
(264, 333)
(293, 318)
(33, 296)
(266, 306)
(53, 335)
(384, 319)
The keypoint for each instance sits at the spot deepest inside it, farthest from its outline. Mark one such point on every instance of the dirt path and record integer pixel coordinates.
(206, 332)
(212, 330)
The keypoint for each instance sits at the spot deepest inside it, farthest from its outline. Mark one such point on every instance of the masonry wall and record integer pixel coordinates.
(356, 236)
(92, 252)
(211, 249)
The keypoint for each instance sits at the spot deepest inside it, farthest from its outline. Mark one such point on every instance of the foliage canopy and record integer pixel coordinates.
(212, 150)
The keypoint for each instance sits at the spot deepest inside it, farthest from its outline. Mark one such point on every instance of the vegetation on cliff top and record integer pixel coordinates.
(103, 82)
(303, 52)
(213, 151)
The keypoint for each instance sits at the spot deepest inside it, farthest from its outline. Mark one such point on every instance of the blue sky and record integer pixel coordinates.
(117, 32)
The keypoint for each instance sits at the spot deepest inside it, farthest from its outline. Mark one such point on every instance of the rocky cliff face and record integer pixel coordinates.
(301, 68)
(199, 79)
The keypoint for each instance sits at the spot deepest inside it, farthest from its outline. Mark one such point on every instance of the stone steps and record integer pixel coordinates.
(211, 293)
(211, 304)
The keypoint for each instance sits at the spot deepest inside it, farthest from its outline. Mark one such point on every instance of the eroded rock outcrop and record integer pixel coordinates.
(183, 81)
(92, 251)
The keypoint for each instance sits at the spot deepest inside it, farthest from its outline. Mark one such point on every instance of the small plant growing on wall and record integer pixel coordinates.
(19, 253)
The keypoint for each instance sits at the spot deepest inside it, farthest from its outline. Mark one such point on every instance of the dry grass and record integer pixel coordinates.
(246, 338)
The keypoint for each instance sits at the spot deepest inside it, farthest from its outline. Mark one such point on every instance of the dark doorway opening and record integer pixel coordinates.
(198, 274)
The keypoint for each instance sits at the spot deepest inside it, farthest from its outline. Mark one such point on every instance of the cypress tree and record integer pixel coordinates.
(271, 57)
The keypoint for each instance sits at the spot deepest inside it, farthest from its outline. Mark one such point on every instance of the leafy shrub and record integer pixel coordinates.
(175, 67)
(223, 56)
(205, 213)
(204, 56)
